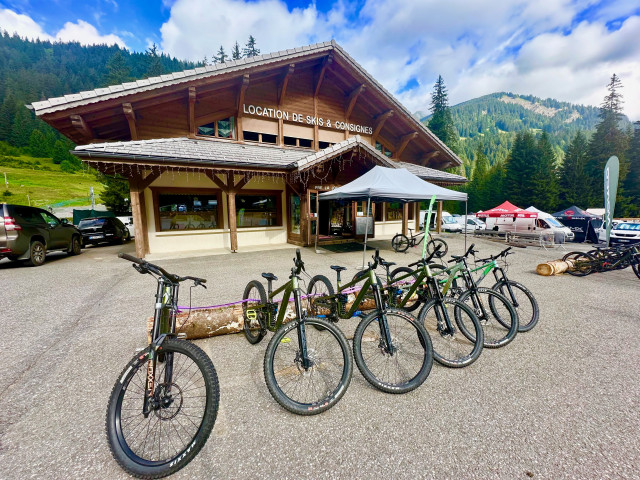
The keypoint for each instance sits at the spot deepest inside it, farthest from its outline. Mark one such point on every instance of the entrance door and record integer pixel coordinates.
(313, 214)
(294, 222)
(362, 218)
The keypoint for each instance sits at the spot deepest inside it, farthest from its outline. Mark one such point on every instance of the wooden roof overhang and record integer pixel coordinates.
(110, 114)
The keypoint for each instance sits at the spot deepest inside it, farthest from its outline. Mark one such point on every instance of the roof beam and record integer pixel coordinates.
(81, 126)
(148, 180)
(328, 60)
(244, 84)
(427, 158)
(353, 98)
(282, 88)
(131, 120)
(404, 141)
(192, 111)
(380, 119)
(212, 175)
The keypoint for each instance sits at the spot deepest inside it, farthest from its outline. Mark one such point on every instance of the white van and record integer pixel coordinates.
(473, 223)
(542, 224)
(449, 223)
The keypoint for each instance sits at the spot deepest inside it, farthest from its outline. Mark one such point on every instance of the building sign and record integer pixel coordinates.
(268, 112)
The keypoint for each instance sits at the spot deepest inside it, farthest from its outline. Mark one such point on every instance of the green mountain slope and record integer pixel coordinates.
(492, 121)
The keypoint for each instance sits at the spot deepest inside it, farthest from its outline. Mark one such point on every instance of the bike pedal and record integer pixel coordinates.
(182, 336)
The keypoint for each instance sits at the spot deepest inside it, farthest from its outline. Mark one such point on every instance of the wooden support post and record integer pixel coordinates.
(131, 120)
(379, 122)
(439, 218)
(79, 124)
(405, 219)
(416, 215)
(139, 212)
(233, 221)
(192, 111)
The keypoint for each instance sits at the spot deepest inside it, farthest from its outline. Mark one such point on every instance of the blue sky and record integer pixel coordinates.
(564, 49)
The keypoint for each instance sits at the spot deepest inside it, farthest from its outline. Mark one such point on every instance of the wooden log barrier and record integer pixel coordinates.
(554, 267)
(209, 322)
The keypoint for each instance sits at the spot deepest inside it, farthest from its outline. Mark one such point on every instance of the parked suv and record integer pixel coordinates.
(28, 233)
(103, 229)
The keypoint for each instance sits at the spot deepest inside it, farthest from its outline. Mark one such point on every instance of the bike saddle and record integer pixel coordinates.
(269, 276)
(338, 268)
(386, 264)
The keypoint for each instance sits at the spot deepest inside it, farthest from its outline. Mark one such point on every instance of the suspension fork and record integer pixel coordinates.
(503, 278)
(442, 316)
(473, 288)
(382, 316)
(301, 327)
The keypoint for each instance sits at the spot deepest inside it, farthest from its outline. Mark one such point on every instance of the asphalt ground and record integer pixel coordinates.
(561, 401)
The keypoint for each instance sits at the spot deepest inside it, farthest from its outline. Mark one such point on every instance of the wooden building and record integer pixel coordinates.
(235, 154)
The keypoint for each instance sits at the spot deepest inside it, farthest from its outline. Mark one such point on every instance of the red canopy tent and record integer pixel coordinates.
(507, 210)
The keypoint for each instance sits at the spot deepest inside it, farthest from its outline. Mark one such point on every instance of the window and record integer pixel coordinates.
(379, 212)
(384, 150)
(394, 211)
(224, 128)
(258, 210)
(298, 142)
(294, 212)
(188, 211)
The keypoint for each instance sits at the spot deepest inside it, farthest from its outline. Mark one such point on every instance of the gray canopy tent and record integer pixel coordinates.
(381, 184)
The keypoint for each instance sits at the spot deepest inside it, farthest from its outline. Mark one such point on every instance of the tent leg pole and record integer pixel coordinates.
(366, 231)
(317, 226)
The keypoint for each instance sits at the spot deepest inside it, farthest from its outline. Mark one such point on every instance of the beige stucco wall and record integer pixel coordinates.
(389, 228)
(192, 240)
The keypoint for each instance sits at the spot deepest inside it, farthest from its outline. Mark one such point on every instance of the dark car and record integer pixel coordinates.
(28, 233)
(103, 229)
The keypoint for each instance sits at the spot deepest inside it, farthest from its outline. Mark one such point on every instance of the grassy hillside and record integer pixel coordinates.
(44, 183)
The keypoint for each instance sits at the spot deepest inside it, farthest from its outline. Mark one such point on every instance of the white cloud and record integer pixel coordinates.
(81, 31)
(198, 27)
(23, 25)
(87, 34)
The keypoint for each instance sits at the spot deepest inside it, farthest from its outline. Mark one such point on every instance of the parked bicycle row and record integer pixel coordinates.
(604, 260)
(165, 402)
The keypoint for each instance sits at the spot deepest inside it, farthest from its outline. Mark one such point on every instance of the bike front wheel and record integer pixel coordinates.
(400, 243)
(456, 333)
(182, 410)
(319, 288)
(522, 300)
(401, 366)
(401, 291)
(315, 384)
(497, 316)
(581, 263)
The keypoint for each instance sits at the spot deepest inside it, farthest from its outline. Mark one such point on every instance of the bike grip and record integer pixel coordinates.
(298, 257)
(131, 258)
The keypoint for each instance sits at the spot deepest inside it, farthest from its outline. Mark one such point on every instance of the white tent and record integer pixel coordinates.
(381, 184)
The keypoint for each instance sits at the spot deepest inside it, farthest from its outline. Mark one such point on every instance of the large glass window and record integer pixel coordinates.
(188, 211)
(384, 150)
(394, 211)
(294, 212)
(224, 128)
(258, 210)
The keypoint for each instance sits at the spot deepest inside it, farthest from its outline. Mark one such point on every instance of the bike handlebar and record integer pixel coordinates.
(424, 261)
(146, 267)
(299, 264)
(470, 251)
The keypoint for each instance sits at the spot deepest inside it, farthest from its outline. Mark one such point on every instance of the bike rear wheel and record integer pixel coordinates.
(311, 390)
(180, 419)
(432, 244)
(522, 300)
(497, 316)
(636, 269)
(254, 299)
(413, 302)
(319, 287)
(406, 365)
(400, 243)
(452, 347)
(583, 263)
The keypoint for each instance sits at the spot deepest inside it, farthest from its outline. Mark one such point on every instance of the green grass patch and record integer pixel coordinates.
(44, 184)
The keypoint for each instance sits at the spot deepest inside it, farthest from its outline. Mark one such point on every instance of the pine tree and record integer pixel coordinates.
(235, 52)
(544, 183)
(205, 61)
(632, 182)
(60, 152)
(608, 140)
(21, 128)
(574, 182)
(38, 145)
(221, 56)
(250, 49)
(477, 188)
(115, 196)
(117, 70)
(441, 122)
(154, 63)
(520, 169)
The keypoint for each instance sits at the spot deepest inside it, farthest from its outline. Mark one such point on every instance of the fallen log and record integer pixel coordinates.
(554, 267)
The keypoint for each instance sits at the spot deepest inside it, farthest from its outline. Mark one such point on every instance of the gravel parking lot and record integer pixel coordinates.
(561, 401)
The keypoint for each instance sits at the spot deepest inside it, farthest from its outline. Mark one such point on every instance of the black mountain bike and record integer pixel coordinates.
(604, 260)
(307, 370)
(391, 348)
(164, 404)
(401, 243)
